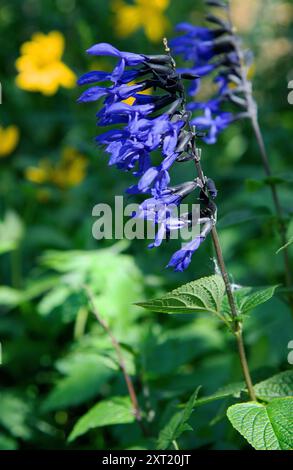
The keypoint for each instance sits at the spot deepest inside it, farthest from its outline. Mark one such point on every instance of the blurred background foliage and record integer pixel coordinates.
(57, 362)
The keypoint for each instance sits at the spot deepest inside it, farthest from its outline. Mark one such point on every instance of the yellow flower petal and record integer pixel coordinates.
(40, 67)
(128, 19)
(147, 14)
(155, 27)
(131, 100)
(36, 175)
(154, 4)
(9, 139)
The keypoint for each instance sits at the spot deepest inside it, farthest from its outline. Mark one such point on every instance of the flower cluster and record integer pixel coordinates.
(156, 122)
(216, 50)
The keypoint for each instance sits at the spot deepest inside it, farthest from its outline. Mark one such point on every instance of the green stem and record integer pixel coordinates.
(234, 311)
(117, 347)
(237, 326)
(175, 444)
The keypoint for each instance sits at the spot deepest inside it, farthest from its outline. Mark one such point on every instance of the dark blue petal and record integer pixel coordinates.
(93, 77)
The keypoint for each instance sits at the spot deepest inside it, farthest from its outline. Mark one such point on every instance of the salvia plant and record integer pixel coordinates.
(217, 50)
(167, 122)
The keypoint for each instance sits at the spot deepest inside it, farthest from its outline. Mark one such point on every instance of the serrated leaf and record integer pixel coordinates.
(117, 410)
(280, 385)
(248, 298)
(265, 427)
(257, 298)
(204, 295)
(178, 424)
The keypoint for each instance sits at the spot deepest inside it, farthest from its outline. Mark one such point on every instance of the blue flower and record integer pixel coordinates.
(156, 122)
(182, 258)
(214, 50)
(213, 124)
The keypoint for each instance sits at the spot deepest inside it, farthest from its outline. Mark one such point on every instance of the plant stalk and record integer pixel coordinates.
(116, 345)
(237, 326)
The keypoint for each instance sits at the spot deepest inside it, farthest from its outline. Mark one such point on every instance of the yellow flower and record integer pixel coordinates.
(146, 14)
(68, 172)
(131, 100)
(39, 174)
(40, 67)
(71, 170)
(9, 138)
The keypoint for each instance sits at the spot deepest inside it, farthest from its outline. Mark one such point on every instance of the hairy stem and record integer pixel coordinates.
(116, 346)
(237, 326)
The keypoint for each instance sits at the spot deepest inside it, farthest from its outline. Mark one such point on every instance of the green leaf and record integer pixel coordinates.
(117, 410)
(233, 390)
(7, 443)
(83, 383)
(257, 298)
(14, 413)
(204, 295)
(280, 385)
(248, 298)
(265, 427)
(178, 424)
(9, 297)
(11, 232)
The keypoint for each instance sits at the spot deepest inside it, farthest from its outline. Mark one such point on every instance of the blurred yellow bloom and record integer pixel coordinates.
(40, 67)
(71, 170)
(146, 14)
(39, 174)
(68, 172)
(9, 138)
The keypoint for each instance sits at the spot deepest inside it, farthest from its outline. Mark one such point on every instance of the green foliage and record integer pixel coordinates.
(117, 410)
(14, 414)
(11, 232)
(278, 386)
(83, 382)
(57, 361)
(177, 425)
(248, 298)
(203, 295)
(266, 427)
(231, 390)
